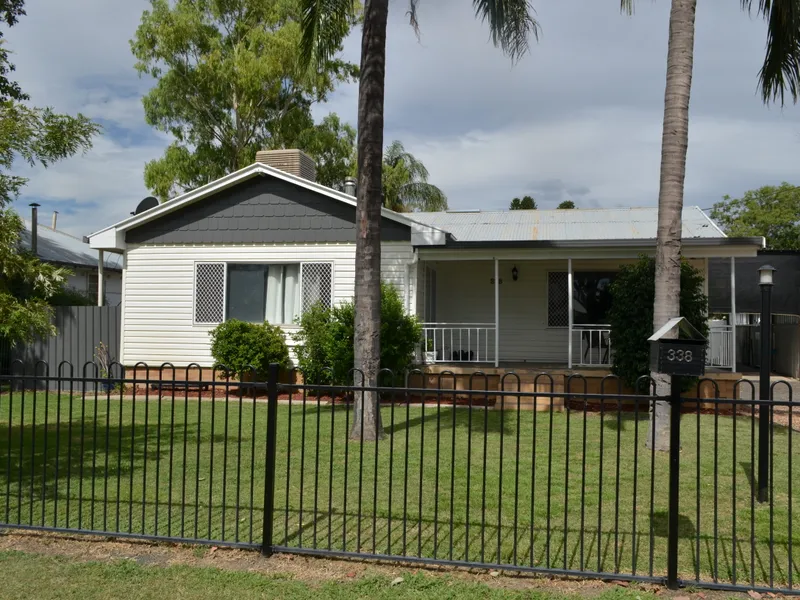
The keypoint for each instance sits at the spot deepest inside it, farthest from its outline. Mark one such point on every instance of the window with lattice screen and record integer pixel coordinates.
(209, 300)
(317, 281)
(557, 301)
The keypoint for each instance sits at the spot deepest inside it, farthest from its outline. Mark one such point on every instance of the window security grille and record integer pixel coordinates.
(557, 301)
(317, 281)
(209, 301)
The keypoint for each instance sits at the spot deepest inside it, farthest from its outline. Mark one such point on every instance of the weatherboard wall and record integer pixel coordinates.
(158, 324)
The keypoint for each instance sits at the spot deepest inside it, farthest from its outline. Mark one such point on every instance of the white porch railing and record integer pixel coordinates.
(458, 342)
(591, 345)
(720, 347)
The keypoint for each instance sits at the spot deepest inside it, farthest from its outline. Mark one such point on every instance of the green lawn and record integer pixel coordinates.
(44, 577)
(454, 507)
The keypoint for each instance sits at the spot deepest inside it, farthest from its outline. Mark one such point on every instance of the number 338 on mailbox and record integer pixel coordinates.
(678, 349)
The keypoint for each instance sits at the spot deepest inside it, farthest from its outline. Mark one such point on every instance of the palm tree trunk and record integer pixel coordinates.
(367, 417)
(674, 143)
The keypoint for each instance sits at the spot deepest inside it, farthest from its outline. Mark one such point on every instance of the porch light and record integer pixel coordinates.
(765, 275)
(515, 273)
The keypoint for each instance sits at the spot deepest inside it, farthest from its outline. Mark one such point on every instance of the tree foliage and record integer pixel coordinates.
(405, 183)
(326, 337)
(33, 136)
(631, 313)
(331, 143)
(229, 83)
(566, 204)
(524, 203)
(770, 211)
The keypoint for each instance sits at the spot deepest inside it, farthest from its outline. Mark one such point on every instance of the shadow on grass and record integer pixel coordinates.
(478, 420)
(574, 549)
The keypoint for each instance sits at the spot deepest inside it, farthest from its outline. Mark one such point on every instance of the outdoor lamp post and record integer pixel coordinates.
(765, 280)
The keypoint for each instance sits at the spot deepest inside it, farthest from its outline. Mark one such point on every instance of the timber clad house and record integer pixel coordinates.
(492, 288)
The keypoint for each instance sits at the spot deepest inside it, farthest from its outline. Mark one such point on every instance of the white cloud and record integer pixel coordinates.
(615, 153)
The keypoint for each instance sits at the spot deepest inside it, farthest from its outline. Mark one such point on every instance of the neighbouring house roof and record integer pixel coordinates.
(564, 225)
(59, 247)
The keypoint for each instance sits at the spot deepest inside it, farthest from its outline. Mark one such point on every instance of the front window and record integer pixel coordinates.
(258, 293)
(591, 298)
(276, 293)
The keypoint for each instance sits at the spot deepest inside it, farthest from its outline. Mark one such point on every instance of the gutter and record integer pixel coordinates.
(623, 243)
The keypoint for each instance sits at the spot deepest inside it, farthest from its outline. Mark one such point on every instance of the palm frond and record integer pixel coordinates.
(324, 25)
(781, 69)
(511, 23)
(626, 7)
(396, 154)
(422, 196)
(412, 15)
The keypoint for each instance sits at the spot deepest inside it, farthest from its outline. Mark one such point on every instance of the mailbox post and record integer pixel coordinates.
(677, 349)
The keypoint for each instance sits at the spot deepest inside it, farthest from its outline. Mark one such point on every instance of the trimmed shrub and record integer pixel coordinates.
(326, 338)
(631, 314)
(239, 346)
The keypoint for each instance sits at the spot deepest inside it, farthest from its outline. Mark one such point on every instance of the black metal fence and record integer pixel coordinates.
(463, 477)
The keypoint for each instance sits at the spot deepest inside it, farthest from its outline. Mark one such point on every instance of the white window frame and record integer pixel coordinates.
(226, 264)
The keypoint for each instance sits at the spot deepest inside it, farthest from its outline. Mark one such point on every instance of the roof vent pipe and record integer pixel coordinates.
(55, 219)
(350, 186)
(34, 228)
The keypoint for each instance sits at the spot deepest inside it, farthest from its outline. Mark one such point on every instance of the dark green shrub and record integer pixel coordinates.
(239, 346)
(631, 314)
(325, 340)
(400, 333)
(312, 349)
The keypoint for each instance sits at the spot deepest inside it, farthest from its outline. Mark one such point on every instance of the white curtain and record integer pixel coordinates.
(283, 294)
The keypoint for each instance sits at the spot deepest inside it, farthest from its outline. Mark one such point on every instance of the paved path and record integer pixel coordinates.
(782, 414)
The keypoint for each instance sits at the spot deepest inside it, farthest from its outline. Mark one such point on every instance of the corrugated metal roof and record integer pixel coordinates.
(60, 247)
(563, 225)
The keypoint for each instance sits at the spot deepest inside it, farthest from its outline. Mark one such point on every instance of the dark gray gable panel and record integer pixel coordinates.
(261, 210)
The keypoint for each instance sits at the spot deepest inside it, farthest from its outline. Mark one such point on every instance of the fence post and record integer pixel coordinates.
(674, 481)
(269, 475)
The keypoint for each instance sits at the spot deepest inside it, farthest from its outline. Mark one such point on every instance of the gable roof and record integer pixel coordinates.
(564, 225)
(112, 237)
(59, 247)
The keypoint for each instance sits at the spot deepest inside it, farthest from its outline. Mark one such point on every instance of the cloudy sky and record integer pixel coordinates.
(578, 118)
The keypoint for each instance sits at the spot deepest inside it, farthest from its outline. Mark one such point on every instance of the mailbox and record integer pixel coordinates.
(684, 354)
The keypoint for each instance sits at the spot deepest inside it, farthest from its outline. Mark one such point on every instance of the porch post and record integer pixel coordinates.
(733, 313)
(100, 277)
(496, 312)
(407, 289)
(569, 312)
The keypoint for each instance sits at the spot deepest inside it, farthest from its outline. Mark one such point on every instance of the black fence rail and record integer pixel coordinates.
(112, 455)
(463, 477)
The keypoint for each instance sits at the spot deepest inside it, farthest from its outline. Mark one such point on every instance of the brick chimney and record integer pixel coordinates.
(295, 162)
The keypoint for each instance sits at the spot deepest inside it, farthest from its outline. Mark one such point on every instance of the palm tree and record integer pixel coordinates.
(780, 72)
(325, 23)
(405, 183)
